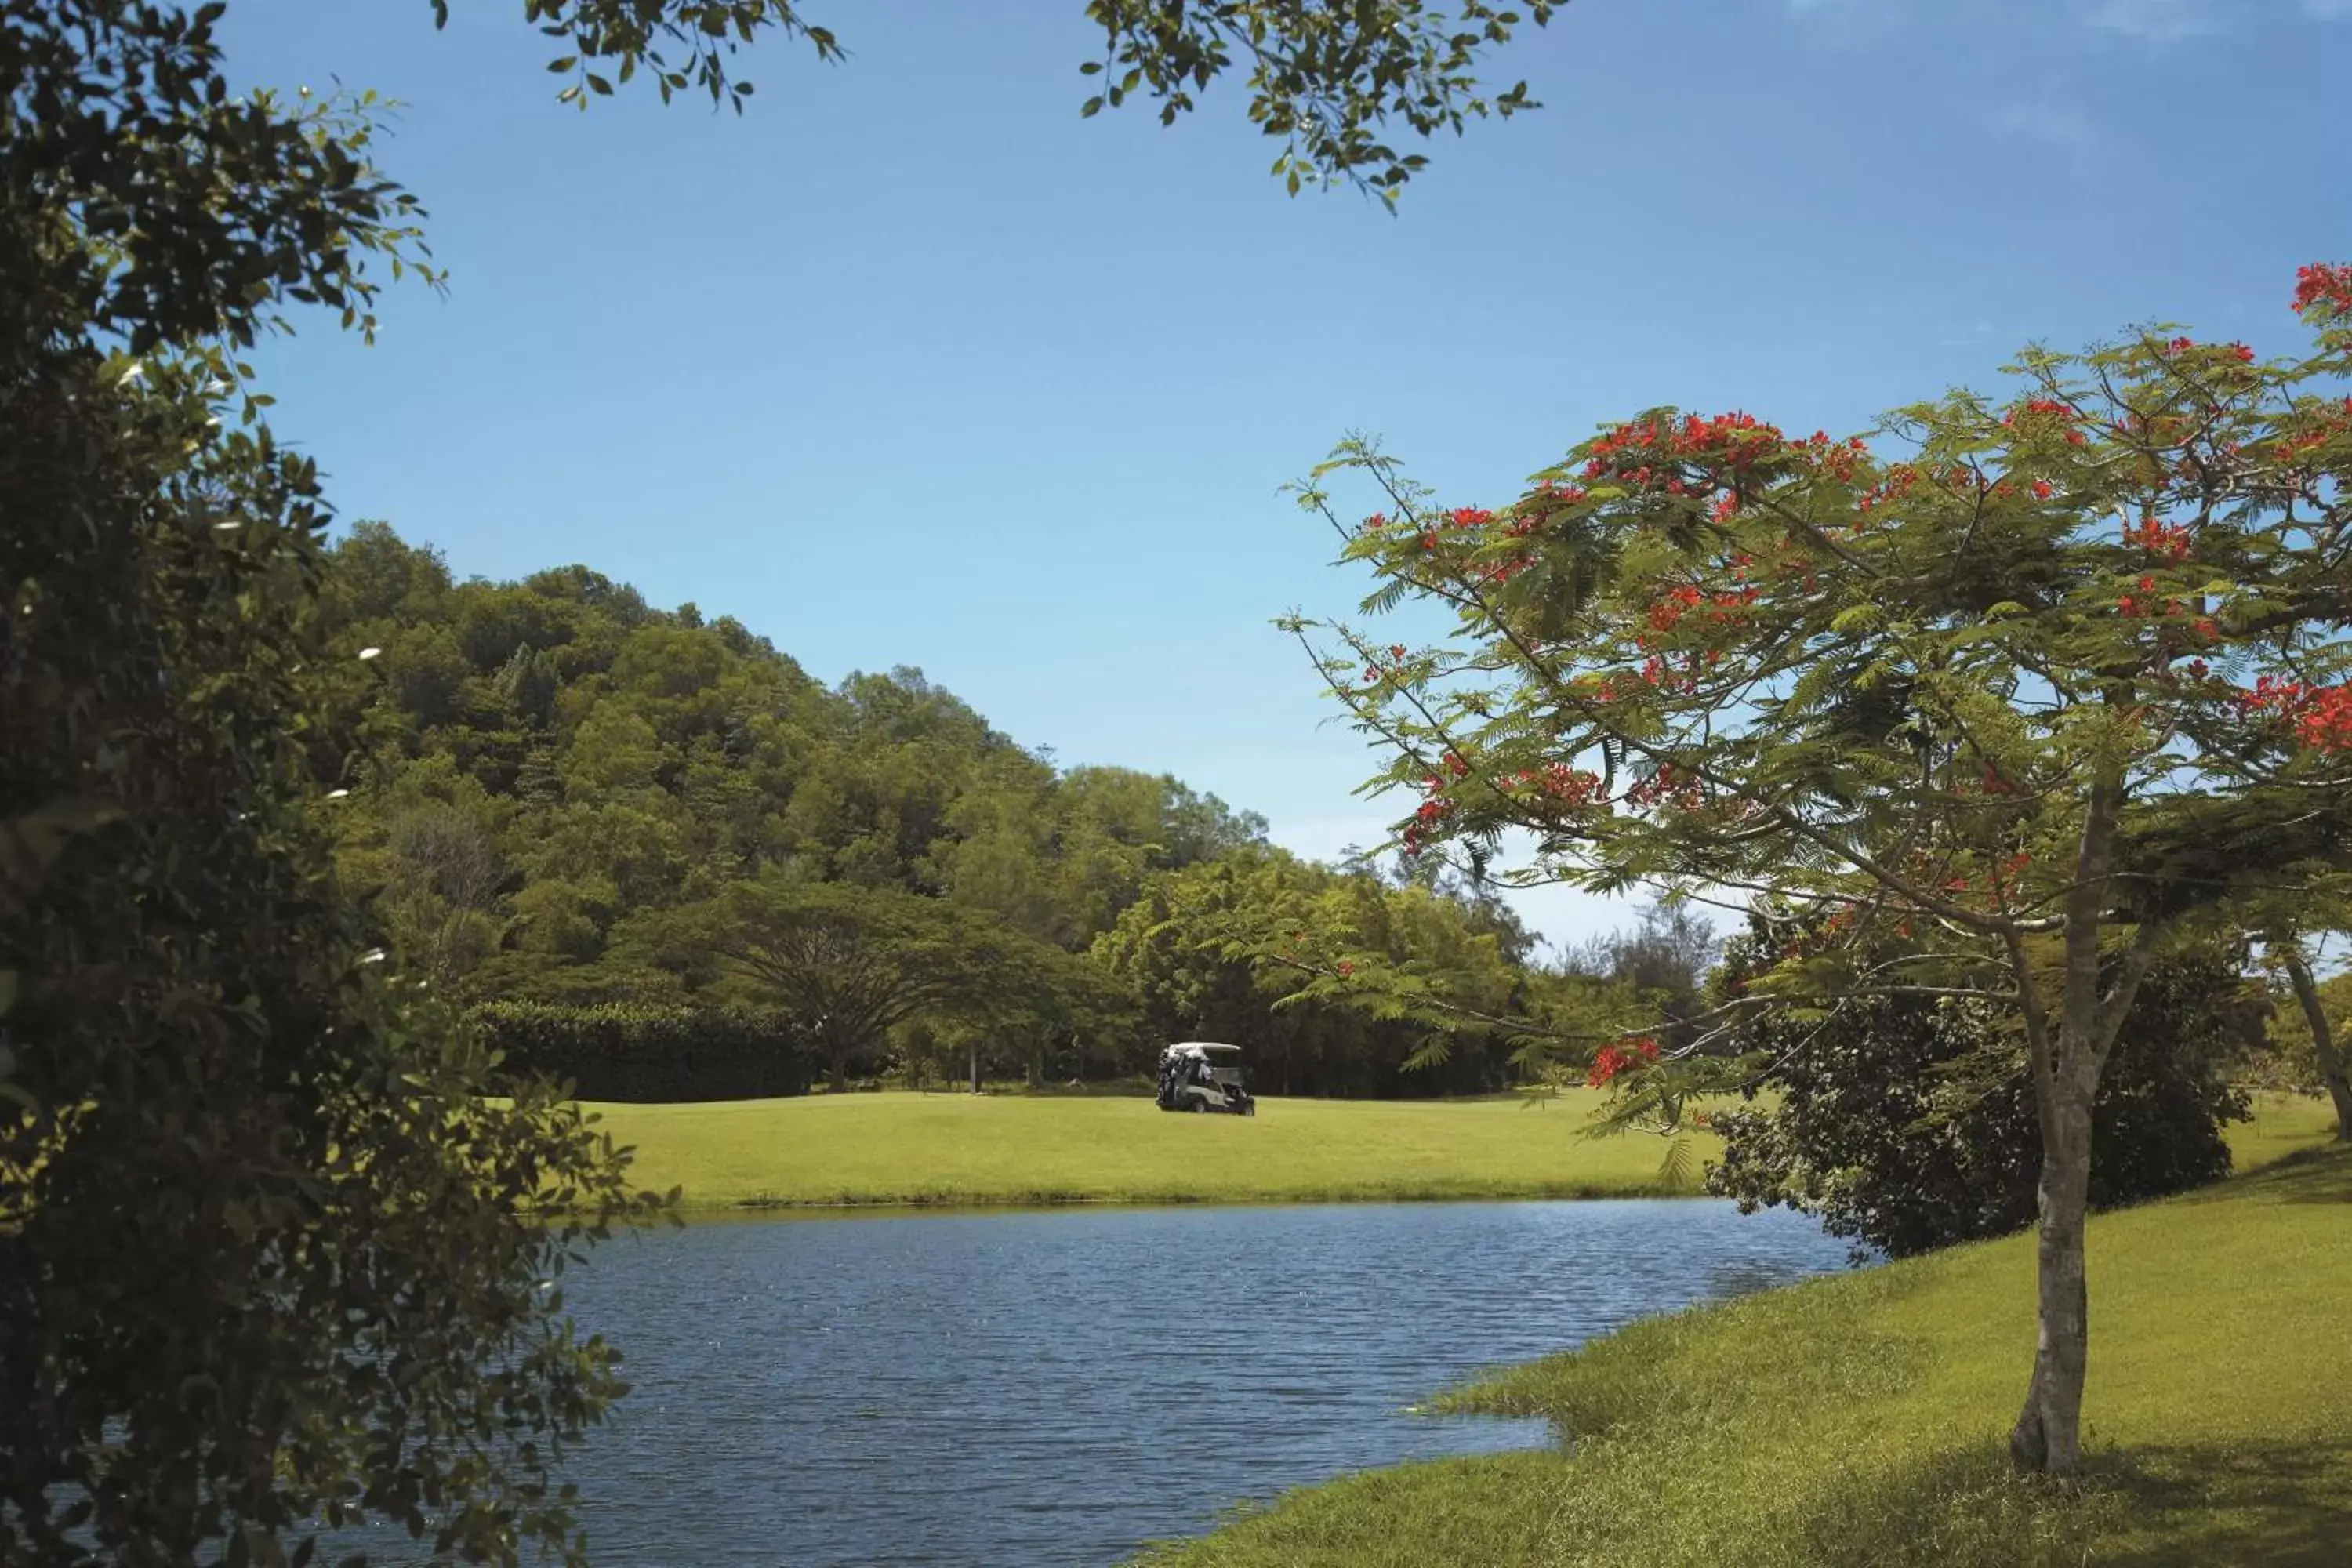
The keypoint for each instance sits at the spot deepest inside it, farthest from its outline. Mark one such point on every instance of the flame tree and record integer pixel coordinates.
(2056, 675)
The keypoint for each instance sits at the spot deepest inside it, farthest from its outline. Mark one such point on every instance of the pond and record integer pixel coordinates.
(1059, 1387)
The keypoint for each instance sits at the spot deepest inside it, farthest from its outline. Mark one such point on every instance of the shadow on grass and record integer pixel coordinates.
(2285, 1505)
(2305, 1176)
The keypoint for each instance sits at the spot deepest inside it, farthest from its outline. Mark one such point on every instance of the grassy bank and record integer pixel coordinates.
(1860, 1420)
(956, 1149)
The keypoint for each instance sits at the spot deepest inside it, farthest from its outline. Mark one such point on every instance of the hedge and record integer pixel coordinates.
(625, 1052)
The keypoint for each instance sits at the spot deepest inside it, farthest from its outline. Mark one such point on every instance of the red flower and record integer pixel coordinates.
(2322, 290)
(1609, 1061)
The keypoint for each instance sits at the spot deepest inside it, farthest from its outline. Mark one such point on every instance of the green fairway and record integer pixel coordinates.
(1860, 1420)
(1018, 1149)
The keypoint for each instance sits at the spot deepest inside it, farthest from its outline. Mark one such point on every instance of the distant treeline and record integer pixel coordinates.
(565, 799)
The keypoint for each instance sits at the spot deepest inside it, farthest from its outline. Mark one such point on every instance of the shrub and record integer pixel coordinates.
(1908, 1123)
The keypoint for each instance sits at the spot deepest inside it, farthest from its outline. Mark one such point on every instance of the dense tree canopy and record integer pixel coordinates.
(260, 1228)
(571, 796)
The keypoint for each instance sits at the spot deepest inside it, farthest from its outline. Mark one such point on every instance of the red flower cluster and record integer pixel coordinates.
(2050, 408)
(1727, 440)
(2323, 291)
(1609, 1061)
(1571, 786)
(1667, 782)
(2168, 540)
(1667, 611)
(1893, 487)
(2322, 715)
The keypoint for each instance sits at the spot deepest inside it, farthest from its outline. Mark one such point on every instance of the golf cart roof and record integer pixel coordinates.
(1204, 1048)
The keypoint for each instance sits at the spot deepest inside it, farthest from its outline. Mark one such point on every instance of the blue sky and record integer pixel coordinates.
(910, 366)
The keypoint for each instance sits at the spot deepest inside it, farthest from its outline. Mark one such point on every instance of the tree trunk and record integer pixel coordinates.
(2066, 1063)
(974, 1048)
(840, 1072)
(2322, 1042)
(2048, 1434)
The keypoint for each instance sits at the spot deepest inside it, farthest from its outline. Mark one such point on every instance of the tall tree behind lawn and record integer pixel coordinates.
(2066, 663)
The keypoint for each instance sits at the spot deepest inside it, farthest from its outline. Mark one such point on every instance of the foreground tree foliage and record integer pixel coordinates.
(1908, 1123)
(1325, 77)
(264, 1263)
(2068, 663)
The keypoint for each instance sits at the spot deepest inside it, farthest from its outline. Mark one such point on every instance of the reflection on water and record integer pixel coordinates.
(1007, 1389)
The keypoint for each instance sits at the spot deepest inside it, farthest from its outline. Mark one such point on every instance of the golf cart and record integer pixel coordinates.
(1201, 1076)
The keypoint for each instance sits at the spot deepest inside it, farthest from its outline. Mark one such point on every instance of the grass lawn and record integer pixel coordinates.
(1860, 1420)
(903, 1148)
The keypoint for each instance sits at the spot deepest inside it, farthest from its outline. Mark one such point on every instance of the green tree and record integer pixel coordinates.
(2063, 664)
(1442, 1022)
(261, 1231)
(2316, 1025)
(850, 963)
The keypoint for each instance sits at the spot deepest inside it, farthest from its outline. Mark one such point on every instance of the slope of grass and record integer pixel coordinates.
(1860, 1420)
(903, 1148)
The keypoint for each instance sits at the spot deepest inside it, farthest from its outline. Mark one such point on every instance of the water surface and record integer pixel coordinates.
(1059, 1387)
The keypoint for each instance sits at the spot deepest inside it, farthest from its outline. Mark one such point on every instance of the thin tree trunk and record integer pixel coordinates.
(2048, 1434)
(974, 1048)
(2065, 1063)
(841, 1072)
(2323, 1041)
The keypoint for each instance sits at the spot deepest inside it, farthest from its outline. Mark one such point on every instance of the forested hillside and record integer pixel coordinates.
(565, 795)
